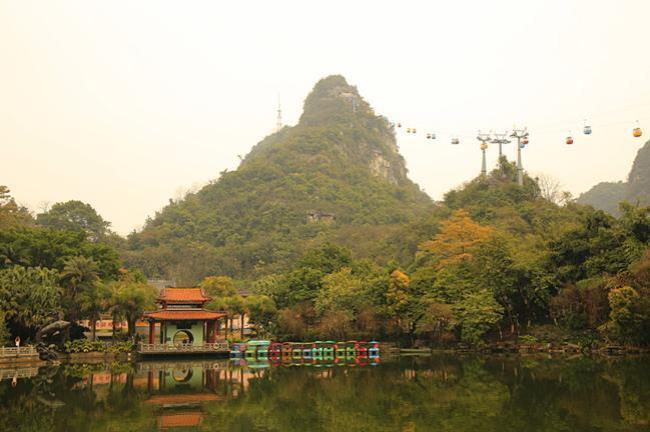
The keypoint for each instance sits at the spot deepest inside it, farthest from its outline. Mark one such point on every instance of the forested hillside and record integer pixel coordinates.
(607, 195)
(335, 176)
(494, 260)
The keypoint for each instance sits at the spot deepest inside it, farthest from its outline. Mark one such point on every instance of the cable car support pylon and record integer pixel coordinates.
(519, 134)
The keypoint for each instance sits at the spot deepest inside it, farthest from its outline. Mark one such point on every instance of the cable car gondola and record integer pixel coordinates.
(569, 140)
(636, 132)
(524, 141)
(587, 130)
(484, 146)
(455, 141)
(399, 125)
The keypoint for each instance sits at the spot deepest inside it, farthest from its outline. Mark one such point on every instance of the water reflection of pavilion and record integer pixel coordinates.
(179, 391)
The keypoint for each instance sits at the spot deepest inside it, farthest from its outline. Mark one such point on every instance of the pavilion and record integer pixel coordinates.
(185, 326)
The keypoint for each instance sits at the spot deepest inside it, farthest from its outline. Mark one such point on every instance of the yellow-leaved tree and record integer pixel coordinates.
(456, 241)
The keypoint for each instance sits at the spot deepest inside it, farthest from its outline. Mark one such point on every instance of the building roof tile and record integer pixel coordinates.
(183, 295)
(179, 314)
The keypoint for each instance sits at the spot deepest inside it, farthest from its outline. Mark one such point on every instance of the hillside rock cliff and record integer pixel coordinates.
(607, 195)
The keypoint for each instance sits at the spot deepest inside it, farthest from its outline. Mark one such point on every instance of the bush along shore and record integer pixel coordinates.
(82, 349)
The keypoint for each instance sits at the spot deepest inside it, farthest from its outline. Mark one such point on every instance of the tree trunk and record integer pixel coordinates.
(93, 326)
(241, 326)
(114, 327)
(131, 329)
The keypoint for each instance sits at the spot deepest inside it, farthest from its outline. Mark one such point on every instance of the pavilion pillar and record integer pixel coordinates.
(215, 329)
(206, 332)
(208, 325)
(152, 331)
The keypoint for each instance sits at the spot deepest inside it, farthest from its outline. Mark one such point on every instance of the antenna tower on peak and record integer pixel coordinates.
(278, 122)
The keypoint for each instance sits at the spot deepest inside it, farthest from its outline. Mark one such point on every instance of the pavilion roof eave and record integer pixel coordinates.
(182, 315)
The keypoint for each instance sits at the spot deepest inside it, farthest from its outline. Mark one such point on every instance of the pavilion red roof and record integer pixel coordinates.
(183, 315)
(183, 295)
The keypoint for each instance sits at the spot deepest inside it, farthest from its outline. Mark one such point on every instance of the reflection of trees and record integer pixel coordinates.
(23, 413)
(67, 400)
(632, 378)
(559, 394)
(435, 393)
(425, 395)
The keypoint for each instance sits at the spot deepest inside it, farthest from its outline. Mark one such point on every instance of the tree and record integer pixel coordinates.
(221, 286)
(629, 317)
(292, 322)
(262, 312)
(130, 297)
(476, 314)
(397, 295)
(305, 281)
(226, 298)
(592, 248)
(93, 301)
(550, 188)
(11, 214)
(403, 305)
(75, 216)
(29, 298)
(4, 330)
(232, 306)
(438, 318)
(341, 291)
(43, 247)
(456, 240)
(79, 278)
(335, 324)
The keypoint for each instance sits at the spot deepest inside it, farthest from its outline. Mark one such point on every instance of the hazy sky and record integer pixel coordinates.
(125, 104)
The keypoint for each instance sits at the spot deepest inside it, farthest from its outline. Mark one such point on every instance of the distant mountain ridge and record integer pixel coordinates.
(607, 195)
(338, 168)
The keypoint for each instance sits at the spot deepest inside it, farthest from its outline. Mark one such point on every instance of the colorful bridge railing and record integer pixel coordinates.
(216, 347)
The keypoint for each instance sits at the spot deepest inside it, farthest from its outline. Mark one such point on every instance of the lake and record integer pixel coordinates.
(437, 393)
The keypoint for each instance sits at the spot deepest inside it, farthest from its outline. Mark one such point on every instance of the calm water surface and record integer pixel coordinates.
(440, 393)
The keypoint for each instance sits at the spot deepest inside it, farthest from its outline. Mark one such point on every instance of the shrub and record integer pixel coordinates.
(527, 339)
(86, 346)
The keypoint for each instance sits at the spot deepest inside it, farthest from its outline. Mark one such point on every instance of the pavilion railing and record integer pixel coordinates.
(26, 351)
(182, 348)
(18, 373)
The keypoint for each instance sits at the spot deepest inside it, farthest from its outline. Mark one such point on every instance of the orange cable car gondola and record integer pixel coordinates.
(637, 132)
